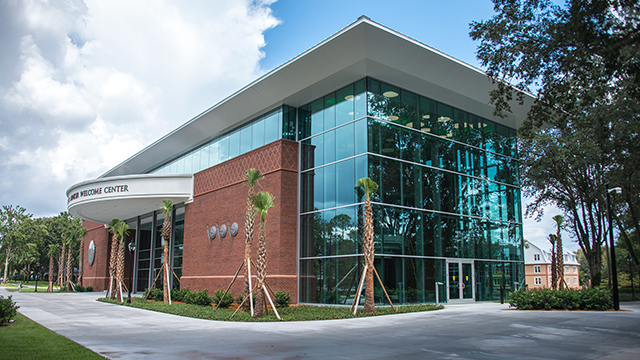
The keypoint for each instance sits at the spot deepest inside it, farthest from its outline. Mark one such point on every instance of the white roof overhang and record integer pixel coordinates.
(125, 197)
(364, 48)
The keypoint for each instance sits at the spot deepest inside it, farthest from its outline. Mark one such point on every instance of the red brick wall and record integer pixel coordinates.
(220, 196)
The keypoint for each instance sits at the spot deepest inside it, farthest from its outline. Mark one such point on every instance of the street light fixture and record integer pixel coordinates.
(614, 271)
(37, 274)
(132, 250)
(633, 293)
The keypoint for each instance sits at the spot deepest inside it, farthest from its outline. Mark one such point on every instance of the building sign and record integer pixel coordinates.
(98, 191)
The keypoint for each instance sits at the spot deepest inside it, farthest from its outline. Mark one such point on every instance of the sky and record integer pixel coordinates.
(86, 84)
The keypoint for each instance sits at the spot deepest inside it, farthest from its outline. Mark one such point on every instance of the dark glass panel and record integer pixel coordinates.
(345, 182)
(317, 117)
(308, 154)
(329, 186)
(307, 190)
(344, 142)
(345, 105)
(304, 119)
(318, 189)
(329, 139)
(329, 111)
(288, 115)
(318, 144)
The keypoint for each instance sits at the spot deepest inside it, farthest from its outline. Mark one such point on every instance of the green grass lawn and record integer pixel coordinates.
(293, 313)
(26, 339)
(42, 287)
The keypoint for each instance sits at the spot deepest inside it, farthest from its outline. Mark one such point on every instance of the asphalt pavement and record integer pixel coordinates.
(462, 331)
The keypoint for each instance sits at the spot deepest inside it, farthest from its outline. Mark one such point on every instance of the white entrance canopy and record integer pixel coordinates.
(125, 197)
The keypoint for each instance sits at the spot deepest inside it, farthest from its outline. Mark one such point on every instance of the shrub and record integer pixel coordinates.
(88, 289)
(8, 309)
(226, 302)
(282, 299)
(153, 294)
(180, 295)
(569, 299)
(239, 299)
(198, 298)
(79, 288)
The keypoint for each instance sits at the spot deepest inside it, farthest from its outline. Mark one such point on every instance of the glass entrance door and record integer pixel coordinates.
(460, 280)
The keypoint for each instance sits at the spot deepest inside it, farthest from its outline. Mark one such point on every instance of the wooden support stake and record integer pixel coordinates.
(166, 268)
(243, 300)
(154, 283)
(383, 288)
(249, 261)
(356, 300)
(271, 301)
(229, 287)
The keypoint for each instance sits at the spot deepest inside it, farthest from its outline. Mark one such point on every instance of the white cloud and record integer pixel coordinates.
(87, 85)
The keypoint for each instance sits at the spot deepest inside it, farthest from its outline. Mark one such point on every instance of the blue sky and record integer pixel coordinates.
(85, 84)
(443, 25)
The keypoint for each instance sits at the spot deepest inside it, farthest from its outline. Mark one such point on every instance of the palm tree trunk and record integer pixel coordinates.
(80, 260)
(113, 263)
(560, 262)
(249, 220)
(369, 306)
(261, 272)
(120, 270)
(166, 234)
(69, 269)
(61, 266)
(50, 288)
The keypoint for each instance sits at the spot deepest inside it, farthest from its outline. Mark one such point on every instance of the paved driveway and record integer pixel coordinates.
(473, 331)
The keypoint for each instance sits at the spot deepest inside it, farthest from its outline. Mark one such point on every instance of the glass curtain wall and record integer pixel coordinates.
(448, 189)
(150, 247)
(275, 125)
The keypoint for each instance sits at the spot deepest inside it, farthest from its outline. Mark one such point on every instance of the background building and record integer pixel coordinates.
(366, 102)
(537, 268)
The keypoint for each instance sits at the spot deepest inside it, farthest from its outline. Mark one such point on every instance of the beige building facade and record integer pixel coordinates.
(537, 268)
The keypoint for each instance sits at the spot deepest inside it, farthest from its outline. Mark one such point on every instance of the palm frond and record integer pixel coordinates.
(251, 177)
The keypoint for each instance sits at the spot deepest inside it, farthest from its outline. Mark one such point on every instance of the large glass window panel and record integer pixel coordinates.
(344, 142)
(318, 144)
(317, 116)
(318, 189)
(329, 111)
(188, 164)
(330, 186)
(257, 134)
(224, 149)
(214, 157)
(345, 182)
(245, 139)
(234, 144)
(329, 146)
(307, 190)
(360, 100)
(345, 105)
(288, 119)
(272, 126)
(360, 131)
(195, 161)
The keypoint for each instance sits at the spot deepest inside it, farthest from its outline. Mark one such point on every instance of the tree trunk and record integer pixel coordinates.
(369, 306)
(6, 267)
(80, 261)
(560, 261)
(50, 288)
(113, 263)
(69, 269)
(166, 234)
(261, 272)
(61, 267)
(250, 216)
(120, 270)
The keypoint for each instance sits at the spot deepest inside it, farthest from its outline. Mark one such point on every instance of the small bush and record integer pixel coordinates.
(226, 302)
(180, 295)
(8, 309)
(79, 288)
(88, 289)
(153, 294)
(282, 299)
(584, 299)
(199, 298)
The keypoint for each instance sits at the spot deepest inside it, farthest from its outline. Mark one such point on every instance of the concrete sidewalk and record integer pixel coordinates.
(464, 331)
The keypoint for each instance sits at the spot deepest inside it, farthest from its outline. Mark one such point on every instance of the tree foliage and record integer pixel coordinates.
(582, 63)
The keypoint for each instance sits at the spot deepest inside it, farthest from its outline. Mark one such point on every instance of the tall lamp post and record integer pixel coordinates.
(37, 274)
(633, 293)
(132, 250)
(614, 271)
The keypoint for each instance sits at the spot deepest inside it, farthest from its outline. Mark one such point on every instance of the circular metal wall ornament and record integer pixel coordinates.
(223, 230)
(92, 252)
(234, 229)
(211, 233)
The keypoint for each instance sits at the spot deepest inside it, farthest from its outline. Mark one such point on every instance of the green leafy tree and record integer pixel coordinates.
(53, 251)
(581, 62)
(263, 201)
(251, 178)
(19, 237)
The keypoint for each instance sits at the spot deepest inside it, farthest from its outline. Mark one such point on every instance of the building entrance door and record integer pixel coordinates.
(460, 280)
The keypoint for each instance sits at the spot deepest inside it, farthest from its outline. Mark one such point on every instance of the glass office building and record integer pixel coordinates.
(447, 213)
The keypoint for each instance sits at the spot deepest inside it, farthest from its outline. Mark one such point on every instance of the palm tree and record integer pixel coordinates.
(554, 262)
(167, 209)
(82, 234)
(369, 186)
(113, 258)
(263, 201)
(51, 254)
(251, 178)
(559, 252)
(63, 255)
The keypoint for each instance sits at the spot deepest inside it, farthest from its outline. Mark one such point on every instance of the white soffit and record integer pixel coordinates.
(364, 48)
(125, 197)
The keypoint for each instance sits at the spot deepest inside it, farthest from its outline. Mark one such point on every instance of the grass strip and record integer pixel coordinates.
(26, 339)
(293, 313)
